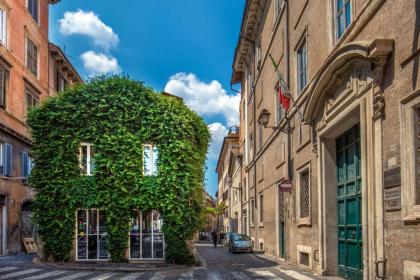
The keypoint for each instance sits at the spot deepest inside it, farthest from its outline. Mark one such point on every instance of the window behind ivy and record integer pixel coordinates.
(150, 158)
(86, 159)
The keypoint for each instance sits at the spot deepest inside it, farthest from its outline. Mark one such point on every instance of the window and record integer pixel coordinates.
(302, 65)
(31, 57)
(7, 159)
(410, 158)
(252, 212)
(3, 26)
(27, 164)
(61, 83)
(342, 16)
(303, 197)
(251, 146)
(33, 9)
(258, 56)
(146, 236)
(260, 135)
(277, 7)
(86, 159)
(261, 208)
(31, 101)
(4, 81)
(92, 239)
(150, 159)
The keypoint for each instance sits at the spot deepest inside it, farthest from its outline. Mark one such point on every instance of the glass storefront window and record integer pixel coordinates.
(146, 236)
(92, 242)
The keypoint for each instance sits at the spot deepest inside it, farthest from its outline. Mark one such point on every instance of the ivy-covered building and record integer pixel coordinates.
(119, 171)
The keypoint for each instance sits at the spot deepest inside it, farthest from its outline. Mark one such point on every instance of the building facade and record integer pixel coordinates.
(229, 180)
(348, 144)
(23, 84)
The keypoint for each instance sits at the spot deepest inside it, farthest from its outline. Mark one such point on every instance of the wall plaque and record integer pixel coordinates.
(392, 199)
(392, 177)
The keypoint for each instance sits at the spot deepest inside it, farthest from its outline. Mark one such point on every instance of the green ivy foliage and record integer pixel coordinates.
(118, 116)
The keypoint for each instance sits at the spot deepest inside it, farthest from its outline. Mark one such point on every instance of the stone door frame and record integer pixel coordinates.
(348, 90)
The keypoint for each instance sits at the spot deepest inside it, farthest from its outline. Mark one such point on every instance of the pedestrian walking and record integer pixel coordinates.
(215, 239)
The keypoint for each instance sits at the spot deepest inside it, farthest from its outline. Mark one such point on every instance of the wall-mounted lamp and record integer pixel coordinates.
(264, 118)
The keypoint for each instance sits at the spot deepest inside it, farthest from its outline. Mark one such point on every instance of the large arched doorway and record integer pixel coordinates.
(27, 226)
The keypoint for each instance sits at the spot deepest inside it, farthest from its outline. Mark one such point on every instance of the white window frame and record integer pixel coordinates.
(154, 169)
(410, 210)
(261, 209)
(278, 6)
(4, 15)
(89, 146)
(258, 57)
(305, 220)
(87, 235)
(152, 234)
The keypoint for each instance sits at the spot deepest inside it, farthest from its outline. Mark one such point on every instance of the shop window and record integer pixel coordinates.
(150, 159)
(31, 56)
(92, 240)
(87, 159)
(342, 18)
(146, 235)
(33, 9)
(303, 196)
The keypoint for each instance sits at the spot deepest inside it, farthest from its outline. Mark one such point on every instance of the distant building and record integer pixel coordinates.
(23, 84)
(229, 179)
(61, 71)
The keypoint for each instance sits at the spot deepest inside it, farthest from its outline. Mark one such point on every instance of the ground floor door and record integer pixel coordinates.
(349, 222)
(282, 230)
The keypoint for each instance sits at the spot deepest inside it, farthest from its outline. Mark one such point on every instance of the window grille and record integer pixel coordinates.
(304, 258)
(304, 194)
(417, 149)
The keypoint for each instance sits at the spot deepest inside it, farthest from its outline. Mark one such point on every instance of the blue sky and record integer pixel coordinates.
(185, 47)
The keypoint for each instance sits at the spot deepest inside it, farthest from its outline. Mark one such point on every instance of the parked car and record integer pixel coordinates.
(228, 236)
(240, 243)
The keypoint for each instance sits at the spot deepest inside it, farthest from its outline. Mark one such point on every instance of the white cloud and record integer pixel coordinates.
(88, 23)
(207, 99)
(99, 63)
(218, 132)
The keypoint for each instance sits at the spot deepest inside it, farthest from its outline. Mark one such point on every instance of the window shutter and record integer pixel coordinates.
(8, 160)
(25, 164)
(3, 77)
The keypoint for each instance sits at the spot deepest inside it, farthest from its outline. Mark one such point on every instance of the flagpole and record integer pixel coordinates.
(284, 85)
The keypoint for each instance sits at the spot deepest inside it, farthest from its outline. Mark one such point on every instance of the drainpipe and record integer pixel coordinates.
(289, 135)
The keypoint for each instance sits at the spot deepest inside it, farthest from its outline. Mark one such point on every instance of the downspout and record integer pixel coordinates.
(289, 135)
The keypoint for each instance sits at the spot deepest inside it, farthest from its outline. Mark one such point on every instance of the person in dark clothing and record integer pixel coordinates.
(214, 239)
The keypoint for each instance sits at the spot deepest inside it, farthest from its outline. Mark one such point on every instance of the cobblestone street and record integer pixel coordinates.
(216, 264)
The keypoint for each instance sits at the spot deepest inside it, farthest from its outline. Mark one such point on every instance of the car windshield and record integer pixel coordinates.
(240, 237)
